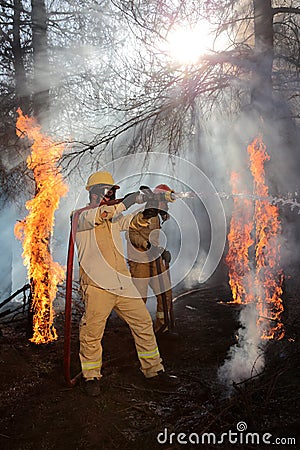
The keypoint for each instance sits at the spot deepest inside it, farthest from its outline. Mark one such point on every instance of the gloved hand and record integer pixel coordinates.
(166, 256)
(130, 199)
(151, 207)
(158, 196)
(147, 192)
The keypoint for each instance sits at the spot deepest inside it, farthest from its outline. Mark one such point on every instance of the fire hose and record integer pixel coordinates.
(171, 312)
(169, 320)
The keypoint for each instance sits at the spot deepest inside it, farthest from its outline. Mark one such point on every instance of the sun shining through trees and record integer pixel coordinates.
(186, 44)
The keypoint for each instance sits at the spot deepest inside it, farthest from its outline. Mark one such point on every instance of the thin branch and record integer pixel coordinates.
(285, 10)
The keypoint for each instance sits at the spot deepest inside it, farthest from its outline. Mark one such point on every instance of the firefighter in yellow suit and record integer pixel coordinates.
(147, 259)
(106, 284)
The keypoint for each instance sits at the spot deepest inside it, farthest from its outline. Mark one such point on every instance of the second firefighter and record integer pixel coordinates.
(148, 261)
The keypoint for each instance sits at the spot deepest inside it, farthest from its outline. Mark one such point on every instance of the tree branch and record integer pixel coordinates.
(285, 10)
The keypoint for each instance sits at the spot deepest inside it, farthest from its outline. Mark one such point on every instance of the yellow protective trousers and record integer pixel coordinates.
(146, 274)
(98, 305)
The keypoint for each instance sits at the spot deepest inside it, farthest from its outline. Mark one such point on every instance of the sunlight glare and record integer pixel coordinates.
(186, 45)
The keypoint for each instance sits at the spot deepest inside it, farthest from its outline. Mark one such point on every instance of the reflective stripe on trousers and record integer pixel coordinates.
(91, 365)
(152, 354)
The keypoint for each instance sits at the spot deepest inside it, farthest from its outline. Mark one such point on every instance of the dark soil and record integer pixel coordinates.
(38, 411)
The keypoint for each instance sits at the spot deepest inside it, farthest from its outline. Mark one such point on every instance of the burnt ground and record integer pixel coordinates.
(38, 411)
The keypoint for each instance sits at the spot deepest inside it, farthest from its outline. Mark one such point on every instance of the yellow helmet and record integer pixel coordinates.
(100, 178)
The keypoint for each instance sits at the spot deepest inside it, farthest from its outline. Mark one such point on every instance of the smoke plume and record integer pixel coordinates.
(246, 358)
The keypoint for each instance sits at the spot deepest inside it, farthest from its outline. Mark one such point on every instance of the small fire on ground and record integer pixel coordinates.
(257, 277)
(36, 229)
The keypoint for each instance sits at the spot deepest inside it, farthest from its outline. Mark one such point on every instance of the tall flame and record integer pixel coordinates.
(263, 284)
(36, 229)
(239, 242)
(269, 277)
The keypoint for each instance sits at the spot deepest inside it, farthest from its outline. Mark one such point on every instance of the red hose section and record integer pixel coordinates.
(168, 312)
(68, 308)
(68, 303)
(172, 316)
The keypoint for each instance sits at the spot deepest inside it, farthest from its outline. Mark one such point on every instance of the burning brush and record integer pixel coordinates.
(262, 284)
(36, 229)
(255, 276)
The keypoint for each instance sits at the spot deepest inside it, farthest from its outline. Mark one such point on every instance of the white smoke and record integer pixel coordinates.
(246, 358)
(12, 270)
(196, 275)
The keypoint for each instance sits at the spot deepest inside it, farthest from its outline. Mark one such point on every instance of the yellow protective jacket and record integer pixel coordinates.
(100, 248)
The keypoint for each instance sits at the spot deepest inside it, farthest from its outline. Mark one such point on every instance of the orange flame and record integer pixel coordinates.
(269, 277)
(36, 229)
(239, 241)
(262, 285)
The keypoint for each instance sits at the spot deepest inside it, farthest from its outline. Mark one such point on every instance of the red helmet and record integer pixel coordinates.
(162, 187)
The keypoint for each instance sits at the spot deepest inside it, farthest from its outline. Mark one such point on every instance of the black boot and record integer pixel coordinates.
(162, 379)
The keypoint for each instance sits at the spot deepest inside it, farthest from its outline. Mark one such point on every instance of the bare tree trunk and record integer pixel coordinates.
(22, 99)
(262, 92)
(41, 103)
(21, 88)
(41, 80)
